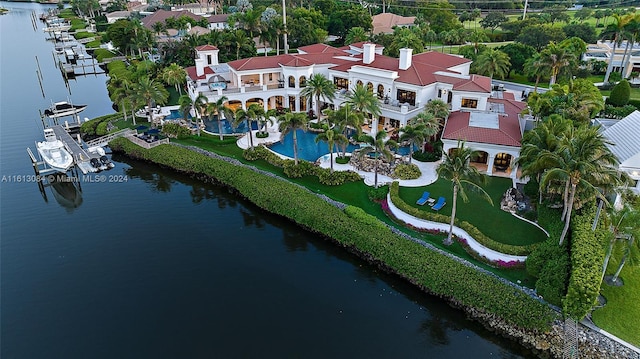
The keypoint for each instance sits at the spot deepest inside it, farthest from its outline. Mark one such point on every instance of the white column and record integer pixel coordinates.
(514, 167)
(374, 127)
(490, 165)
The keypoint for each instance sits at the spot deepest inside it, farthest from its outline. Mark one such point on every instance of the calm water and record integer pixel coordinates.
(161, 266)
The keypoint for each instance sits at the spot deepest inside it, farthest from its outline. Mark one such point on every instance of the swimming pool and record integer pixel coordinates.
(227, 129)
(308, 149)
(175, 115)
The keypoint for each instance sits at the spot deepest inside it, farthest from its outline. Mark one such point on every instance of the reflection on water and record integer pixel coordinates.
(66, 190)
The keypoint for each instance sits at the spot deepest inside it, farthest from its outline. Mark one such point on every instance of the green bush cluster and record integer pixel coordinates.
(406, 171)
(468, 227)
(587, 258)
(303, 168)
(620, 94)
(98, 126)
(438, 274)
(377, 194)
(82, 35)
(174, 130)
(77, 24)
(365, 218)
(549, 263)
(335, 178)
(101, 54)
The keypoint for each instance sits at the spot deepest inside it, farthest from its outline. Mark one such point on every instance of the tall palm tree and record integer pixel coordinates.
(414, 134)
(365, 102)
(344, 119)
(200, 108)
(241, 115)
(330, 137)
(318, 86)
(218, 108)
(493, 62)
(175, 75)
(120, 90)
(554, 57)
(239, 40)
(430, 36)
(437, 108)
(186, 105)
(631, 33)
(544, 138)
(291, 122)
(380, 148)
(622, 224)
(456, 168)
(152, 92)
(585, 161)
(613, 32)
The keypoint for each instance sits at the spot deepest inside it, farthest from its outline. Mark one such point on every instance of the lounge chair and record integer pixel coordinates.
(439, 204)
(422, 200)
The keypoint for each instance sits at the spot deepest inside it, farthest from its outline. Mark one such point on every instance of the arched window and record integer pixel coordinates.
(303, 81)
(359, 83)
(292, 81)
(380, 91)
(370, 87)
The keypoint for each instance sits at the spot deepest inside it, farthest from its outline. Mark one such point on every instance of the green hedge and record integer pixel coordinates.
(438, 274)
(406, 171)
(468, 227)
(98, 125)
(303, 168)
(587, 258)
(101, 54)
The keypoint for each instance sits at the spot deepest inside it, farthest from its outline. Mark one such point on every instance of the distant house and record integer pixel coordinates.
(384, 23)
(603, 51)
(624, 135)
(163, 15)
(117, 15)
(218, 22)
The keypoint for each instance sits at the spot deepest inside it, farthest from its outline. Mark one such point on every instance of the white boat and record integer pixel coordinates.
(62, 109)
(53, 152)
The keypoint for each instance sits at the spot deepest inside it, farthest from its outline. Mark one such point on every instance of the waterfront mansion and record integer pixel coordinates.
(488, 120)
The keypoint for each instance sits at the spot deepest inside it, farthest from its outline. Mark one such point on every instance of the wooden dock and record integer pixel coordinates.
(80, 156)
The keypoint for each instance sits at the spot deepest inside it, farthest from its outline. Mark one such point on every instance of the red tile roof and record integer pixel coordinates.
(439, 59)
(476, 83)
(217, 18)
(508, 133)
(384, 23)
(318, 48)
(191, 72)
(206, 48)
(163, 15)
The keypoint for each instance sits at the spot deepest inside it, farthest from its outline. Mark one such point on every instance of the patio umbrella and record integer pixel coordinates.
(153, 131)
(141, 128)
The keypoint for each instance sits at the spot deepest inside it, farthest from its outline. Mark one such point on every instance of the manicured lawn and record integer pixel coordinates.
(621, 315)
(497, 224)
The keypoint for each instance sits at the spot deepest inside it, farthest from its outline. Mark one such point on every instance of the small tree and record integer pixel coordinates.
(620, 94)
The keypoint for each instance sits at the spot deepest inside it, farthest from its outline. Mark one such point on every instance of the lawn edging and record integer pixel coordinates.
(470, 229)
(488, 253)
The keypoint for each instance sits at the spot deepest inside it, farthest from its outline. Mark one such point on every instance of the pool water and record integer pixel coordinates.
(175, 115)
(227, 129)
(308, 149)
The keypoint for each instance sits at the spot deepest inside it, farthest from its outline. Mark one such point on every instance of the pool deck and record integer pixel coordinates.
(428, 169)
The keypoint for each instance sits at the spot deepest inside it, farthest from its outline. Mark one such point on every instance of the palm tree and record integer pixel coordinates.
(380, 148)
(355, 34)
(613, 32)
(631, 32)
(544, 138)
(430, 36)
(477, 36)
(630, 249)
(330, 137)
(319, 86)
(363, 101)
(242, 115)
(200, 108)
(291, 122)
(414, 134)
(437, 108)
(151, 91)
(218, 108)
(240, 40)
(534, 67)
(431, 124)
(585, 161)
(120, 90)
(456, 168)
(493, 62)
(622, 225)
(175, 75)
(344, 119)
(185, 106)
(555, 57)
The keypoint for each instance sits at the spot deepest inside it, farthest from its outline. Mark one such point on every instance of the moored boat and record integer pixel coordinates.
(53, 152)
(62, 109)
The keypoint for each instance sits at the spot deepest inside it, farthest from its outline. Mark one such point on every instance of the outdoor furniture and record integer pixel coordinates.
(422, 200)
(431, 201)
(439, 204)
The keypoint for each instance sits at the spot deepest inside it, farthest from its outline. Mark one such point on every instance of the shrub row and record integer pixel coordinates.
(438, 274)
(587, 258)
(468, 227)
(303, 168)
(98, 125)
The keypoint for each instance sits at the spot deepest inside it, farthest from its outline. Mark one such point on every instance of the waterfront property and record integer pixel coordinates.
(403, 86)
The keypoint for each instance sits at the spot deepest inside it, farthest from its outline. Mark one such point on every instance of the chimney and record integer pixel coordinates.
(405, 58)
(369, 53)
(199, 67)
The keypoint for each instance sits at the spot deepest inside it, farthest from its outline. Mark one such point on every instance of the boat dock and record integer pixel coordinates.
(80, 156)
